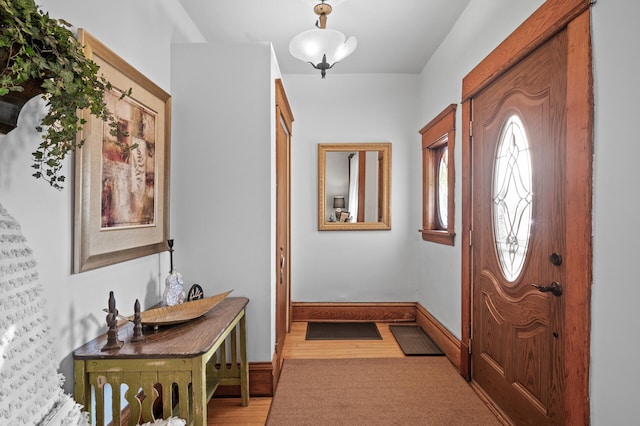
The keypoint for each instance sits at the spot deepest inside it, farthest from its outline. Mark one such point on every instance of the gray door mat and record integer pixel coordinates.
(342, 331)
(413, 340)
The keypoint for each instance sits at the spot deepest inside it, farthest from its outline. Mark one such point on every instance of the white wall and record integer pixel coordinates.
(222, 176)
(75, 302)
(615, 372)
(616, 288)
(354, 266)
(390, 265)
(482, 26)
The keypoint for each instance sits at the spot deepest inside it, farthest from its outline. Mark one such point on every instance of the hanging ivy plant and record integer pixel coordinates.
(36, 47)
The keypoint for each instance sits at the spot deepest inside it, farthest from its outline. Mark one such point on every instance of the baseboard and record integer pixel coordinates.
(439, 334)
(260, 382)
(353, 311)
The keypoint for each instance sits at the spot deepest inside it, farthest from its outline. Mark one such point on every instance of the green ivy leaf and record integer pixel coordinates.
(43, 47)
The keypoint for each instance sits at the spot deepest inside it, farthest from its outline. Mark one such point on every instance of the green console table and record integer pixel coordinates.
(182, 363)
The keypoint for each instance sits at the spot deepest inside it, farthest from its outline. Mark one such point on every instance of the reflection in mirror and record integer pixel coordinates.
(354, 186)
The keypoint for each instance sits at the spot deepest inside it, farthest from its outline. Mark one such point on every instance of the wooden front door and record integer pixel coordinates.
(518, 236)
(284, 120)
(527, 121)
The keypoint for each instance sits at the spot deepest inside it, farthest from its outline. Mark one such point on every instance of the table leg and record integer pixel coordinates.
(199, 389)
(81, 389)
(244, 364)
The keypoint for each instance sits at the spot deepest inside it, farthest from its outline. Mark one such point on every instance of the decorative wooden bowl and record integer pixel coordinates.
(183, 312)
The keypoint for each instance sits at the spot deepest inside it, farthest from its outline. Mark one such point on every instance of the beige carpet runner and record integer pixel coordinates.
(375, 391)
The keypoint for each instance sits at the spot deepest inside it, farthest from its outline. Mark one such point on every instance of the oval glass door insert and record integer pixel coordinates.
(512, 198)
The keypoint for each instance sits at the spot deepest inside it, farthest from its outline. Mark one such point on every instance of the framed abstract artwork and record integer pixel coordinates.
(122, 181)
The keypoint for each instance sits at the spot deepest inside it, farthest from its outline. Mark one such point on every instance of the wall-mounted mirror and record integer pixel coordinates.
(354, 186)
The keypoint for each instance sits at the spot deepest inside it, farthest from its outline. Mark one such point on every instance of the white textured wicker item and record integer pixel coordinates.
(183, 312)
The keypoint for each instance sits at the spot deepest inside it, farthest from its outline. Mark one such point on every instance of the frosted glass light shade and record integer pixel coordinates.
(310, 46)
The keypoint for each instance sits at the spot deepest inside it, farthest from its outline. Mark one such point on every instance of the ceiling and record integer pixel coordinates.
(394, 36)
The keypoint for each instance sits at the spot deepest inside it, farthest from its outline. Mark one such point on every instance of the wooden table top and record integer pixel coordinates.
(189, 339)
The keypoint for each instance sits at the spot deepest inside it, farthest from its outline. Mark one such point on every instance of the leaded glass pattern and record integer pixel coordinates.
(512, 198)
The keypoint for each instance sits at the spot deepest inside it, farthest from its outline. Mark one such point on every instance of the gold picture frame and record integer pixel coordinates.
(122, 196)
(330, 156)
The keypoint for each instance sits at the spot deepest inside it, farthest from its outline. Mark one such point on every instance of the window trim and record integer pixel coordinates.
(439, 132)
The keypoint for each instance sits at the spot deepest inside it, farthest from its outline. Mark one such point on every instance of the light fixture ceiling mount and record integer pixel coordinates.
(320, 47)
(322, 10)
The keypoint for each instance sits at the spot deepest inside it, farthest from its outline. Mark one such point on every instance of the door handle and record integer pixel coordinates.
(555, 288)
(281, 269)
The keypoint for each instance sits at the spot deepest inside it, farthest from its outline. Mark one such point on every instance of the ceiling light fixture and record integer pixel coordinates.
(322, 48)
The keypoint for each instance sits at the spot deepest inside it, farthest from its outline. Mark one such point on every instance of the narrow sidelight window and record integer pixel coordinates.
(438, 140)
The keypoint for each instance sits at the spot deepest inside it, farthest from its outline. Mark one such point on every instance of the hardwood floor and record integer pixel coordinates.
(227, 411)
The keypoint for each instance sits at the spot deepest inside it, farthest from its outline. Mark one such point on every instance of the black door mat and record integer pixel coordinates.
(342, 331)
(414, 341)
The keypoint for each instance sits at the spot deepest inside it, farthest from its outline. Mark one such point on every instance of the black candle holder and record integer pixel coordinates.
(112, 322)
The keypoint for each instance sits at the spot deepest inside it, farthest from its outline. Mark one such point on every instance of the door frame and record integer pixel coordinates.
(283, 117)
(553, 16)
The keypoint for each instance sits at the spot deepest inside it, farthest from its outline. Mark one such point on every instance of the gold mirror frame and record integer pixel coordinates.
(384, 182)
